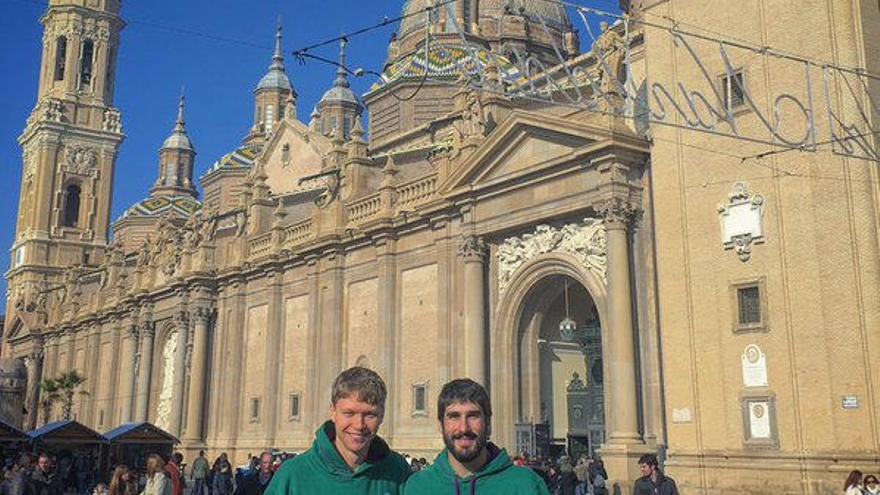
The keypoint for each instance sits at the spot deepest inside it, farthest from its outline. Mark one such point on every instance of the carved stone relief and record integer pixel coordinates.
(742, 221)
(80, 159)
(585, 240)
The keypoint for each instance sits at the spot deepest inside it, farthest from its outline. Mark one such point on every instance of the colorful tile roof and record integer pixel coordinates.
(446, 61)
(182, 206)
(241, 158)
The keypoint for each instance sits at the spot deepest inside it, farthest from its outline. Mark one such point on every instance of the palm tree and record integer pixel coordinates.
(49, 395)
(68, 383)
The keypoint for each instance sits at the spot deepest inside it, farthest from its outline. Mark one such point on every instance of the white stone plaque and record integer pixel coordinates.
(759, 420)
(683, 415)
(850, 402)
(754, 367)
(742, 221)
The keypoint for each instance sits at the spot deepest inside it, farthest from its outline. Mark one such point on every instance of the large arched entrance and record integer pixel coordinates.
(534, 361)
(560, 397)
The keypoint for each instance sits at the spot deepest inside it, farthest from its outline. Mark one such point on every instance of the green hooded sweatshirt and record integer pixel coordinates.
(321, 470)
(498, 476)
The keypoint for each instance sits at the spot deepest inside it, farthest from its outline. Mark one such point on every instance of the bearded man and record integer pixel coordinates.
(470, 463)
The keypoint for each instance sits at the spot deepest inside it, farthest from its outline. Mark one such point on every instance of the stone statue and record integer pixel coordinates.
(610, 50)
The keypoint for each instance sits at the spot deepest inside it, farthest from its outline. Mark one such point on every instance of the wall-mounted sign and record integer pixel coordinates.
(683, 415)
(754, 367)
(759, 420)
(850, 401)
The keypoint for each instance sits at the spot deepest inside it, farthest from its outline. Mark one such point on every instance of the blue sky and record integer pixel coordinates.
(160, 55)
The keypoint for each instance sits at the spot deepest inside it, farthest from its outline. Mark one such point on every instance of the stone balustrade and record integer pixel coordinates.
(365, 209)
(414, 193)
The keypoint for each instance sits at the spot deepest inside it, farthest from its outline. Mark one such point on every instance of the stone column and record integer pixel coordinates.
(129, 376)
(182, 326)
(386, 268)
(34, 375)
(624, 444)
(473, 252)
(195, 410)
(148, 331)
(274, 343)
(621, 384)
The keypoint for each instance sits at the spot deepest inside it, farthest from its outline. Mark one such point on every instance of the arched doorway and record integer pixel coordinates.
(560, 375)
(535, 291)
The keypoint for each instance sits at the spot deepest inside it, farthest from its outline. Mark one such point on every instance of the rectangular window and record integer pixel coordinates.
(734, 90)
(101, 417)
(88, 55)
(346, 127)
(255, 409)
(749, 302)
(294, 406)
(60, 58)
(420, 398)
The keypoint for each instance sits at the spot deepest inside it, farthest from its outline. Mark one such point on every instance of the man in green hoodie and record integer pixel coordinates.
(471, 464)
(347, 457)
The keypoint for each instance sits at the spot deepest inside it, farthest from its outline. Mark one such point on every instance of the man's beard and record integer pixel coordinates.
(472, 453)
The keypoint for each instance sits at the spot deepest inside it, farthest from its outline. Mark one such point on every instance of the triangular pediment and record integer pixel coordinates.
(294, 151)
(18, 328)
(523, 144)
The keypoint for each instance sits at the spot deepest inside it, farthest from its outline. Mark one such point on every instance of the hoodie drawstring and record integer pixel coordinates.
(473, 486)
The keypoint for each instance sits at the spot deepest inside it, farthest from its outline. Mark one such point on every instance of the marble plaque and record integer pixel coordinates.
(754, 367)
(759, 420)
(683, 415)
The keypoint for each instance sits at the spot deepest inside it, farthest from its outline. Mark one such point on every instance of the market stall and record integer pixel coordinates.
(132, 443)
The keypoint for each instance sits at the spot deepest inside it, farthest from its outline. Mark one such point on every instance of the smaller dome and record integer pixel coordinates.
(178, 141)
(275, 79)
(180, 206)
(338, 94)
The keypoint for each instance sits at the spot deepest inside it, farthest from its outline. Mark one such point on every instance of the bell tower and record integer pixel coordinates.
(69, 149)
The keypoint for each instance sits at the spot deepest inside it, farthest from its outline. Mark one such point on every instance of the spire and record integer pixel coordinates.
(180, 125)
(179, 138)
(342, 73)
(276, 77)
(278, 57)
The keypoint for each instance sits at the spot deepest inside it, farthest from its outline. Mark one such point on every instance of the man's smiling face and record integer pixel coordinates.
(356, 423)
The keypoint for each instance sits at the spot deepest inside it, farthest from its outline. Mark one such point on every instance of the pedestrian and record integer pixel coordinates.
(598, 477)
(8, 481)
(199, 473)
(582, 472)
(21, 483)
(567, 482)
(173, 470)
(653, 481)
(123, 482)
(100, 489)
(471, 463)
(222, 484)
(347, 456)
(43, 480)
(256, 481)
(872, 486)
(157, 479)
(853, 484)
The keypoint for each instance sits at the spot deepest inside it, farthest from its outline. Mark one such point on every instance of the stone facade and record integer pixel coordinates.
(454, 242)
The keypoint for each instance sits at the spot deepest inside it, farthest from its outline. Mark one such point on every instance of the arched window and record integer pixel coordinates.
(88, 55)
(60, 57)
(71, 206)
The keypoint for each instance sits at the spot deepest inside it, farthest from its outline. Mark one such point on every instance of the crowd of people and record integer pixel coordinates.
(349, 457)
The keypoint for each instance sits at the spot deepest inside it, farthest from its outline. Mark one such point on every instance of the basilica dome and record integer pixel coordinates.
(491, 10)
